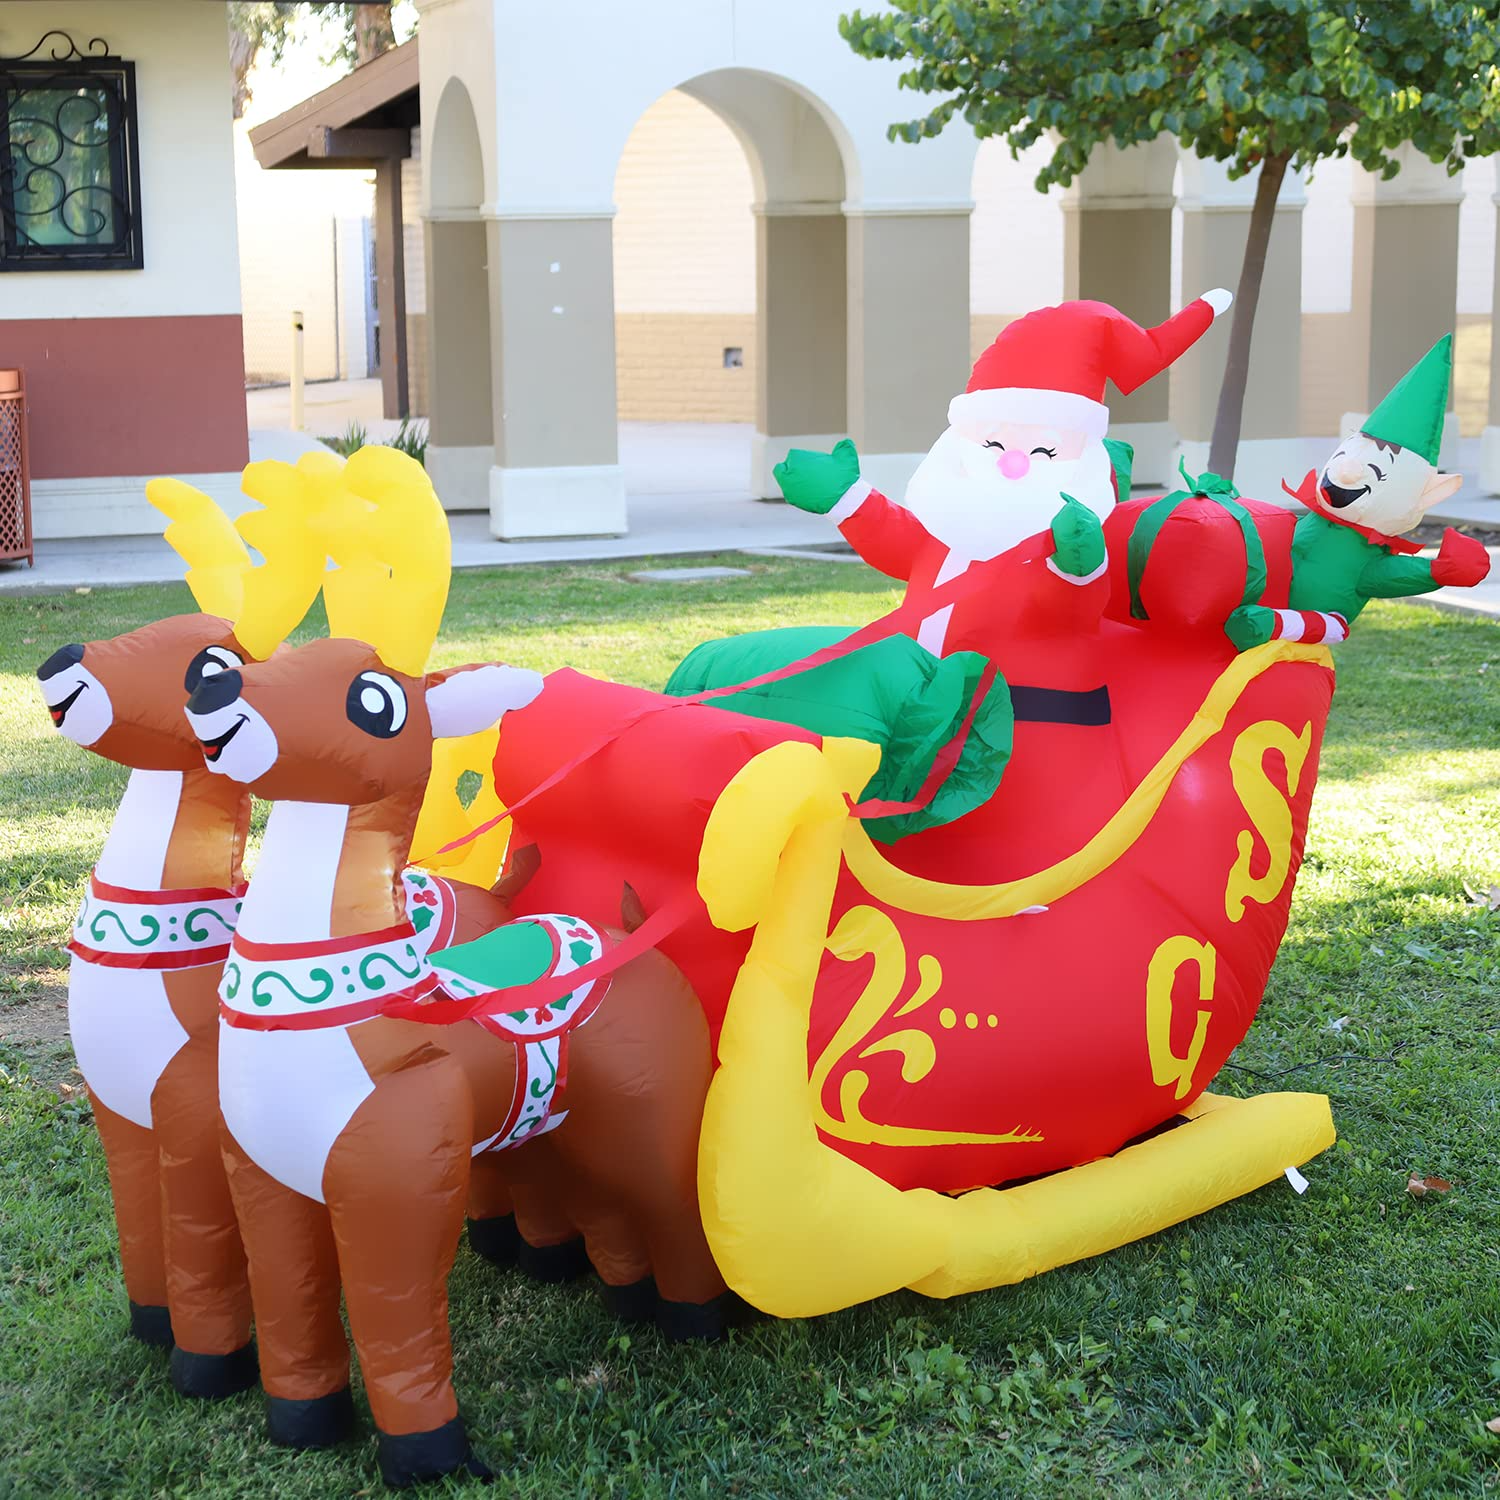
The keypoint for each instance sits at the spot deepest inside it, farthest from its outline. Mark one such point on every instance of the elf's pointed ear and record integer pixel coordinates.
(1440, 487)
(465, 700)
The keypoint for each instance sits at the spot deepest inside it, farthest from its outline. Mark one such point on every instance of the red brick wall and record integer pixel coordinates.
(131, 396)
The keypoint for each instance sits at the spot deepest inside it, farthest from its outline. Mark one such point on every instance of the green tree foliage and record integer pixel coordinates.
(1256, 83)
(358, 33)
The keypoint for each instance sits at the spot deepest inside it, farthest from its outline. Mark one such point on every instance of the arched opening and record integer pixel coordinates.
(730, 268)
(460, 448)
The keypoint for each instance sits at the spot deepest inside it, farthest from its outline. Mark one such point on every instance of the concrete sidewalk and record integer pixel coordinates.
(688, 488)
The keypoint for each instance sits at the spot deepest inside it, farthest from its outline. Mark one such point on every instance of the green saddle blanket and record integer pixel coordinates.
(892, 693)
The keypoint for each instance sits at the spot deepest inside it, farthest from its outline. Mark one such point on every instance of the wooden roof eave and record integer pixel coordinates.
(344, 113)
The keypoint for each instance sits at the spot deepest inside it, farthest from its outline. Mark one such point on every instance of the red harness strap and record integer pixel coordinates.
(973, 580)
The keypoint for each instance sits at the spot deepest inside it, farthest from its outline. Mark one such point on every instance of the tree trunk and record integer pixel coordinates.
(374, 31)
(241, 54)
(1226, 439)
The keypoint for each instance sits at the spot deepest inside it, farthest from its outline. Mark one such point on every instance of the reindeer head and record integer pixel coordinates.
(122, 697)
(351, 720)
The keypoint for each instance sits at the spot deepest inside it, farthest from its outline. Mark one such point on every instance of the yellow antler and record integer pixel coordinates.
(205, 539)
(287, 534)
(389, 537)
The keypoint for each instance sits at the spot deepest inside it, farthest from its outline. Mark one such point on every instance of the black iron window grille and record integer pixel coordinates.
(69, 159)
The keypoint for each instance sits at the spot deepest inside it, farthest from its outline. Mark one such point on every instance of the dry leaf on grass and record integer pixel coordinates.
(1488, 898)
(1419, 1187)
(1493, 1424)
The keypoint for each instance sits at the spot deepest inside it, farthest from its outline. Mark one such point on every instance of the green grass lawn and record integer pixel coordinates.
(1342, 1343)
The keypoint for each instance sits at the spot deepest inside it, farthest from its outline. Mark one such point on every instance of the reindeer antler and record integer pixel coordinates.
(205, 539)
(389, 537)
(265, 603)
(287, 534)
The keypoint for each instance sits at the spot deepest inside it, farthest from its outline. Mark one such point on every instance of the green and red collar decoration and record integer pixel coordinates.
(121, 928)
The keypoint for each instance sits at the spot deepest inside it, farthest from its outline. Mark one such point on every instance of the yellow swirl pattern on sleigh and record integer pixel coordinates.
(799, 1229)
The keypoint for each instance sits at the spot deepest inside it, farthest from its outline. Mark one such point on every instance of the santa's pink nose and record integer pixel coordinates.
(1014, 464)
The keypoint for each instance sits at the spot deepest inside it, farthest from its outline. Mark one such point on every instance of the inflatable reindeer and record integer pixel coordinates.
(353, 1118)
(150, 940)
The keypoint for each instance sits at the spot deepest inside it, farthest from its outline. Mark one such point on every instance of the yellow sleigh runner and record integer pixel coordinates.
(797, 1227)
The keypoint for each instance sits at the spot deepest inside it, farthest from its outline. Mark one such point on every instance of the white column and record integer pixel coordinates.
(908, 325)
(1405, 285)
(552, 372)
(801, 332)
(1215, 226)
(1489, 446)
(1118, 249)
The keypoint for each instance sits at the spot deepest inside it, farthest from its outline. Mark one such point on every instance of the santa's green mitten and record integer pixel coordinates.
(1250, 625)
(1078, 539)
(818, 481)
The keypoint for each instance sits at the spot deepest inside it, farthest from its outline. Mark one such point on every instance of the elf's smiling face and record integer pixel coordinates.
(1382, 485)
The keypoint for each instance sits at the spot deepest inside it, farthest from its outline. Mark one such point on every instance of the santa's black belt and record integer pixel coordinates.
(1039, 705)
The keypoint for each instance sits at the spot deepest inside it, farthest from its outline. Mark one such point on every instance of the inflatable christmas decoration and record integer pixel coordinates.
(1350, 547)
(382, 1026)
(853, 961)
(150, 940)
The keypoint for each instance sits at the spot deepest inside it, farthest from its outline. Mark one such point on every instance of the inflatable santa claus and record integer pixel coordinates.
(1024, 456)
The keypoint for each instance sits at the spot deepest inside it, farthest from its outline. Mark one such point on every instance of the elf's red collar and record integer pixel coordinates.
(1311, 495)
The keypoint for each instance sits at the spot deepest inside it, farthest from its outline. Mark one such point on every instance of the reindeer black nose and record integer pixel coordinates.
(217, 691)
(60, 660)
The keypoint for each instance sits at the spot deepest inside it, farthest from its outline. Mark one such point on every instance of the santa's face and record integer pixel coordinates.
(982, 489)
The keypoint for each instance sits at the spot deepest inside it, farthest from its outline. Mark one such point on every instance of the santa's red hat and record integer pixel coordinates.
(1050, 366)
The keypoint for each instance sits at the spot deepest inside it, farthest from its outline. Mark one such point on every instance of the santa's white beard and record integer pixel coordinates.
(963, 500)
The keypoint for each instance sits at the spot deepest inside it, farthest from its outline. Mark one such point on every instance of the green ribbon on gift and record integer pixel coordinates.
(1151, 520)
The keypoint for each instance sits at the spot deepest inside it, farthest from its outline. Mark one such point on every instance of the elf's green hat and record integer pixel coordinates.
(1412, 415)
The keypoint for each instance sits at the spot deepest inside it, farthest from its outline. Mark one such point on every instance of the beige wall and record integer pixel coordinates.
(1330, 387)
(187, 190)
(670, 367)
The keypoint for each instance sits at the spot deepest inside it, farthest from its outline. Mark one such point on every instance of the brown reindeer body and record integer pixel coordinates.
(148, 949)
(352, 1133)
(150, 940)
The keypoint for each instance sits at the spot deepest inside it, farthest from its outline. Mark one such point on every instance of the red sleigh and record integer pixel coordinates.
(1011, 997)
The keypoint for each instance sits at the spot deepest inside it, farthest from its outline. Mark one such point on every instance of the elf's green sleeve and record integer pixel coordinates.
(1396, 577)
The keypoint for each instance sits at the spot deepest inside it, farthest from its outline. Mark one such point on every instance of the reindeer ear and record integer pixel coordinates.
(472, 698)
(1439, 488)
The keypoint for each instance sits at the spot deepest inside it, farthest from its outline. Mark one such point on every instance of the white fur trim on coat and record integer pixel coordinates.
(975, 413)
(851, 500)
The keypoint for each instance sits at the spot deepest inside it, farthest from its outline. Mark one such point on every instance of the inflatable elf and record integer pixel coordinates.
(1350, 547)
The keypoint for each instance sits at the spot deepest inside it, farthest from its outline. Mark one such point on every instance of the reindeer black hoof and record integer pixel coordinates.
(496, 1240)
(554, 1263)
(633, 1303)
(699, 1322)
(151, 1325)
(321, 1422)
(409, 1458)
(211, 1377)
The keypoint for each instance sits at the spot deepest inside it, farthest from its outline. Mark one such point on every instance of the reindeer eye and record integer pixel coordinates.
(376, 704)
(209, 662)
